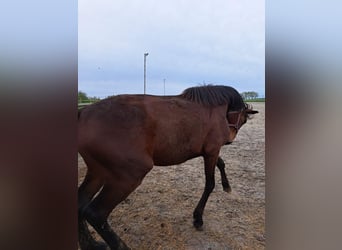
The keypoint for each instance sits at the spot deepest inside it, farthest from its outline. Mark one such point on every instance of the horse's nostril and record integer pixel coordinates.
(227, 143)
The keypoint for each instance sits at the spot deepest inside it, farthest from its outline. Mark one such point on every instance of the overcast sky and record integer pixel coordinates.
(189, 43)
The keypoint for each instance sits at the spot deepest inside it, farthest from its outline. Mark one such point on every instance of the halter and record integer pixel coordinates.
(236, 125)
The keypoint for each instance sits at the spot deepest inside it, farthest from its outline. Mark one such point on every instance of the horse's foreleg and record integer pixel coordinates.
(209, 163)
(225, 183)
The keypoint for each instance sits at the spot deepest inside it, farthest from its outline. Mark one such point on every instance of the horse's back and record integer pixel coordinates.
(123, 110)
(114, 125)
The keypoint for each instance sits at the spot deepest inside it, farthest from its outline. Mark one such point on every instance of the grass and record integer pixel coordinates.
(256, 100)
(83, 104)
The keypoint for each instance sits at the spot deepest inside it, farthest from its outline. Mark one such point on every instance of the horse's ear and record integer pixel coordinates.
(251, 112)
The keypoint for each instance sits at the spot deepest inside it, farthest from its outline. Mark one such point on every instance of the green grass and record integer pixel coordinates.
(83, 104)
(256, 100)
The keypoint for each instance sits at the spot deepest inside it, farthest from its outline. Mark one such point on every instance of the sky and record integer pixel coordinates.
(189, 43)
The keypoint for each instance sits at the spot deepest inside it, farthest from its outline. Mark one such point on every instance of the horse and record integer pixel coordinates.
(122, 137)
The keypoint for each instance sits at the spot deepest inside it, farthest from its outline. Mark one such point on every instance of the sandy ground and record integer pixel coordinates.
(158, 214)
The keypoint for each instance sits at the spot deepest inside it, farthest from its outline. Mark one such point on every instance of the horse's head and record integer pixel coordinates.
(236, 119)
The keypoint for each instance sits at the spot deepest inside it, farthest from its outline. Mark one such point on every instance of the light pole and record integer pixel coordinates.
(145, 54)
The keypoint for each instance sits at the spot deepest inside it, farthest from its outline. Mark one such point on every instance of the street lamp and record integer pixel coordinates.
(145, 54)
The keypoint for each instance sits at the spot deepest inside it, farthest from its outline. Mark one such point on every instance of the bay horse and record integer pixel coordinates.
(122, 137)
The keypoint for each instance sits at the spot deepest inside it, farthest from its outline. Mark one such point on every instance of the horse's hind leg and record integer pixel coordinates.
(114, 191)
(225, 183)
(89, 187)
(86, 241)
(98, 211)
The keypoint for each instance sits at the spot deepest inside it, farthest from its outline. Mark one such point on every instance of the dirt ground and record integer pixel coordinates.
(158, 214)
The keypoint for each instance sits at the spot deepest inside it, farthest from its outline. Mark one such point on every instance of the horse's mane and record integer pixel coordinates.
(215, 95)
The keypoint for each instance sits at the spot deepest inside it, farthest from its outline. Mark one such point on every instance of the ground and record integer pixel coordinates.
(158, 214)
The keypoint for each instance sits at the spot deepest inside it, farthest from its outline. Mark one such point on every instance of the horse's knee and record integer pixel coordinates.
(209, 186)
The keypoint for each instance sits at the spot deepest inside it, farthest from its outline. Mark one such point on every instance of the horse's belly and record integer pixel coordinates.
(173, 156)
(177, 140)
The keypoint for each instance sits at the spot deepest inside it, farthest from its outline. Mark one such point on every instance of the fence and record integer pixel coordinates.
(83, 104)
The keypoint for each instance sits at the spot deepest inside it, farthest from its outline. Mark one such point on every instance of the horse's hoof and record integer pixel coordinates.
(100, 246)
(123, 246)
(198, 225)
(227, 189)
(199, 228)
(94, 245)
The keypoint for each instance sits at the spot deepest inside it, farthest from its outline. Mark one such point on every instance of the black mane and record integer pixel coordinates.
(215, 95)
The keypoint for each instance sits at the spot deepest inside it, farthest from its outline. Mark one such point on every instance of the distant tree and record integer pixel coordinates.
(254, 95)
(82, 97)
(94, 99)
(249, 95)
